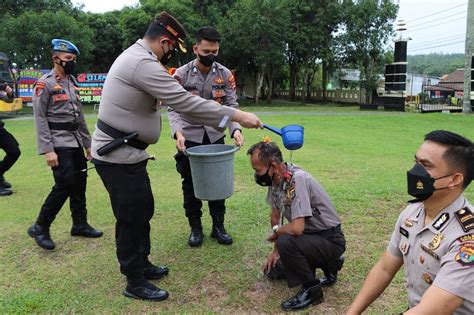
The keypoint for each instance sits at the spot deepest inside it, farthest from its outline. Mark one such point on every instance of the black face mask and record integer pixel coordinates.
(68, 66)
(167, 57)
(265, 179)
(207, 60)
(420, 183)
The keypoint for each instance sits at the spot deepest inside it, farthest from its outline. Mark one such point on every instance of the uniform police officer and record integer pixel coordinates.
(62, 137)
(209, 79)
(8, 143)
(434, 235)
(130, 120)
(311, 239)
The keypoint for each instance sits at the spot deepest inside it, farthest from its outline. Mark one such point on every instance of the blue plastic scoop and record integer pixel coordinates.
(292, 135)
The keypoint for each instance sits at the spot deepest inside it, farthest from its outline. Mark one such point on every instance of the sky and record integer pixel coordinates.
(434, 26)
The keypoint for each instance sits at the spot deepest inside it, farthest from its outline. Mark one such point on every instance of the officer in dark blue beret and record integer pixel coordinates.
(64, 139)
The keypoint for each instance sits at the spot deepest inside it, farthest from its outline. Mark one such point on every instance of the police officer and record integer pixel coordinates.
(434, 235)
(62, 137)
(311, 239)
(8, 143)
(209, 79)
(130, 120)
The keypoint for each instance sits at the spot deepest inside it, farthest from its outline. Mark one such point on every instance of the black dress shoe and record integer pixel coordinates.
(41, 236)
(145, 291)
(219, 233)
(196, 237)
(4, 183)
(85, 230)
(330, 274)
(153, 272)
(5, 191)
(304, 298)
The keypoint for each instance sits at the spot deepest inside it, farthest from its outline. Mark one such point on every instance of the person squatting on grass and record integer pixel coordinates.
(129, 121)
(8, 143)
(311, 239)
(62, 137)
(434, 235)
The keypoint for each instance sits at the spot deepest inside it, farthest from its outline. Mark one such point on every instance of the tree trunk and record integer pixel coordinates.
(258, 86)
(325, 81)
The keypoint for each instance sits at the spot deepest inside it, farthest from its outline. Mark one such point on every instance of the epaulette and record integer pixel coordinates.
(465, 218)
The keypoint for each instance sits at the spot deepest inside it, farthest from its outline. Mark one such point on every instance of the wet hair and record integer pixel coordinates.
(267, 152)
(207, 33)
(459, 154)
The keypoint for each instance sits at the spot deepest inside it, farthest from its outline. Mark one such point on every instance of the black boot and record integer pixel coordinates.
(304, 298)
(277, 272)
(218, 230)
(144, 290)
(4, 183)
(85, 230)
(4, 191)
(153, 272)
(197, 236)
(41, 236)
(330, 274)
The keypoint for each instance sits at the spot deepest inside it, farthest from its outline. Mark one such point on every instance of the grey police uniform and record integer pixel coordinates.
(61, 128)
(439, 254)
(218, 85)
(134, 86)
(301, 196)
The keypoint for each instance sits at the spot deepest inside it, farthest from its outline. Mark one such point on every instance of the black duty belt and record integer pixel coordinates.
(69, 126)
(120, 138)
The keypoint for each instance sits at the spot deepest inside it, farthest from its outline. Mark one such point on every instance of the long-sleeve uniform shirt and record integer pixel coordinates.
(440, 253)
(218, 85)
(133, 89)
(57, 100)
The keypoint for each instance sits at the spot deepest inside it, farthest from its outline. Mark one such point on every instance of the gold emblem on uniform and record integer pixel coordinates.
(219, 80)
(434, 244)
(419, 185)
(62, 46)
(427, 278)
(462, 211)
(408, 222)
(422, 259)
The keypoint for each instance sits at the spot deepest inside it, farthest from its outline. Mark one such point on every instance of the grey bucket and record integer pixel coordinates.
(212, 169)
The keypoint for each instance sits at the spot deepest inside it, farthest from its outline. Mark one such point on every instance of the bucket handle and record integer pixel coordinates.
(273, 129)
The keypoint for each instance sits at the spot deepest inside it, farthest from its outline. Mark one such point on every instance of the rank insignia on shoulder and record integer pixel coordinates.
(465, 218)
(404, 232)
(466, 254)
(438, 224)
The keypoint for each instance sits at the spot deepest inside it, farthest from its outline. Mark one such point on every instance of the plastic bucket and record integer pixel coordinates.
(212, 170)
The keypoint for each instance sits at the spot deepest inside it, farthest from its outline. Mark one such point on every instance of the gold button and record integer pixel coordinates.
(422, 259)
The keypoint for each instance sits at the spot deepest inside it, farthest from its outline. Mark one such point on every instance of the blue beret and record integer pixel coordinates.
(65, 46)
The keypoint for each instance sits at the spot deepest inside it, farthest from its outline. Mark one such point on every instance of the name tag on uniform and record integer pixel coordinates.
(404, 232)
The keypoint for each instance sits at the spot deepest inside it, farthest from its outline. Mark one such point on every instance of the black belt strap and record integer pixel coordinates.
(329, 232)
(69, 126)
(117, 134)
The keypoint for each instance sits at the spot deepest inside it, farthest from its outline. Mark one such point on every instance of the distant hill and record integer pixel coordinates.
(435, 64)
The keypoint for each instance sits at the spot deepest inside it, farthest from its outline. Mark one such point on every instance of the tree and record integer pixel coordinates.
(367, 28)
(30, 34)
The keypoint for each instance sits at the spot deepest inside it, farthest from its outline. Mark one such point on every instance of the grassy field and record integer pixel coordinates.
(361, 158)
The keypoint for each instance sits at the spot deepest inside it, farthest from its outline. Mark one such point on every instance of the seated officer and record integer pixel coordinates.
(434, 235)
(62, 138)
(312, 237)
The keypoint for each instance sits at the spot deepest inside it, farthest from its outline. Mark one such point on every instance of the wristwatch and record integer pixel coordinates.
(275, 228)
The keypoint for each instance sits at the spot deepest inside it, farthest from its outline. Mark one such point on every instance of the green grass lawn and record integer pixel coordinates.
(361, 158)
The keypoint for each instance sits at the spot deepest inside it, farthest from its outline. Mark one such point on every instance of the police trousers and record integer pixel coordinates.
(69, 181)
(191, 204)
(301, 255)
(132, 202)
(11, 147)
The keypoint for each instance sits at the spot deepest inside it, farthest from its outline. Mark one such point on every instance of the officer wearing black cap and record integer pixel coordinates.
(129, 121)
(62, 137)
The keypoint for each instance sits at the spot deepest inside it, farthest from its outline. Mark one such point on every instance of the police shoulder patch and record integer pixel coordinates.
(465, 256)
(465, 218)
(39, 88)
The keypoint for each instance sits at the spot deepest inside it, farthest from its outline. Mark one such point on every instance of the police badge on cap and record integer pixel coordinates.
(64, 46)
(173, 27)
